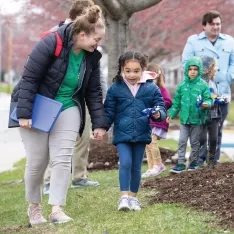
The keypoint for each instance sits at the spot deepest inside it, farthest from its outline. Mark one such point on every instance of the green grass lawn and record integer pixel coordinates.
(95, 211)
(5, 89)
(168, 143)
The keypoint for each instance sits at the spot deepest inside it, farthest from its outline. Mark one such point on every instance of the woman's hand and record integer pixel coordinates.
(98, 133)
(25, 123)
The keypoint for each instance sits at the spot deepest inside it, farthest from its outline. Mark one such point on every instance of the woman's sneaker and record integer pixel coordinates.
(178, 168)
(134, 204)
(35, 215)
(59, 217)
(124, 204)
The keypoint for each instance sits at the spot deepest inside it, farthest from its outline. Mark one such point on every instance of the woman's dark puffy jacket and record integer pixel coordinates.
(125, 111)
(44, 73)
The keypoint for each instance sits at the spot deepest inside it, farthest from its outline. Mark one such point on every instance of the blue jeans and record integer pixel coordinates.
(130, 157)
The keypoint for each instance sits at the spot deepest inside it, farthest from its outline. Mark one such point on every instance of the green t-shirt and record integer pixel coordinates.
(71, 80)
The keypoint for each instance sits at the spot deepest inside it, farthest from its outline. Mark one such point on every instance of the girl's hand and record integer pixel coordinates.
(156, 115)
(168, 119)
(98, 133)
(25, 123)
(204, 105)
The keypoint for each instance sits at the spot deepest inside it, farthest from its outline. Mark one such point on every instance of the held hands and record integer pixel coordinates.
(25, 123)
(98, 133)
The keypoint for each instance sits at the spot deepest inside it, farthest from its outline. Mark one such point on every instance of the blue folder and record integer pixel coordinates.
(44, 114)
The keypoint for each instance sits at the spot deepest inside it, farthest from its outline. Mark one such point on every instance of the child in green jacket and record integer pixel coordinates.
(192, 99)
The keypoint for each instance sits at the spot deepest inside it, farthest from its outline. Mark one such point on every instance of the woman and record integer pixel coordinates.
(72, 78)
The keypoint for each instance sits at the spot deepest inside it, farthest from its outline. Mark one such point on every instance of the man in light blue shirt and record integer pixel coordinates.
(220, 46)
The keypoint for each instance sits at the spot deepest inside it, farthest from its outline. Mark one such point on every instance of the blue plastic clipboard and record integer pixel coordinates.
(44, 114)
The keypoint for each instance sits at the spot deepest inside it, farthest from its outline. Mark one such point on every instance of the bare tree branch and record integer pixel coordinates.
(138, 5)
(113, 8)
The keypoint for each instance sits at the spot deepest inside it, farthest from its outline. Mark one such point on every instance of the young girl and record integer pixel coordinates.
(212, 122)
(159, 129)
(127, 97)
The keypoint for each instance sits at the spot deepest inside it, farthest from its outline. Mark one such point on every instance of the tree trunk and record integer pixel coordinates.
(117, 43)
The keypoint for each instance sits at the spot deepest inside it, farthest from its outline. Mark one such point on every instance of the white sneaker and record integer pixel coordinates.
(134, 204)
(146, 174)
(35, 215)
(59, 217)
(157, 169)
(124, 204)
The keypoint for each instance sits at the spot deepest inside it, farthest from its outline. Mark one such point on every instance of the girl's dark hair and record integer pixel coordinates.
(89, 21)
(79, 7)
(209, 16)
(128, 56)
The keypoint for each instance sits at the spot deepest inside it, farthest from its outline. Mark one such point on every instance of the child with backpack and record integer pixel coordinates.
(127, 98)
(159, 129)
(192, 99)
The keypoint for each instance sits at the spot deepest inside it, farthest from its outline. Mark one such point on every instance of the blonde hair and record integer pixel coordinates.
(89, 21)
(79, 7)
(160, 80)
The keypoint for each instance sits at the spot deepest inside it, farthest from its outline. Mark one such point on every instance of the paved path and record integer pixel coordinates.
(11, 147)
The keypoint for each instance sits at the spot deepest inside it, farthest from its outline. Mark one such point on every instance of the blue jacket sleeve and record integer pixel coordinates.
(110, 106)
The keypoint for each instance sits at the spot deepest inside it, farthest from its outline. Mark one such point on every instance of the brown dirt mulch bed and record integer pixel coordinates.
(211, 190)
(103, 155)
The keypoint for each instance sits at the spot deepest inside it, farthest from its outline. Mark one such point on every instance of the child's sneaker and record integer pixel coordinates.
(124, 204)
(146, 174)
(193, 166)
(59, 217)
(134, 204)
(211, 161)
(178, 168)
(35, 215)
(157, 169)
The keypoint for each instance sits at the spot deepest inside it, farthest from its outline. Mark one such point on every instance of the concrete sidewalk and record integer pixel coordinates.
(11, 147)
